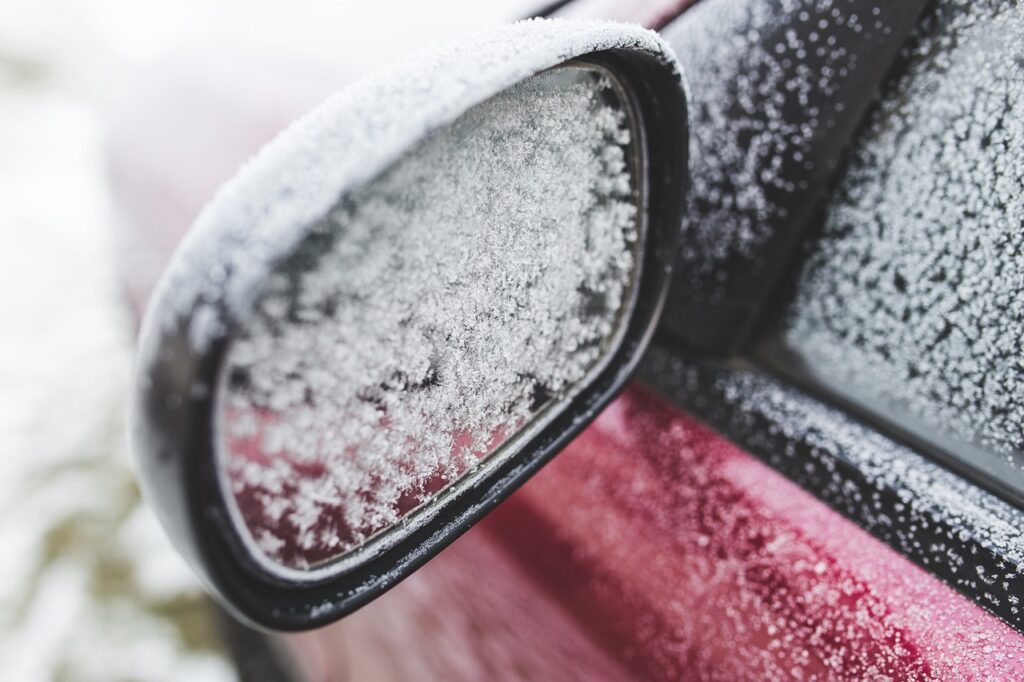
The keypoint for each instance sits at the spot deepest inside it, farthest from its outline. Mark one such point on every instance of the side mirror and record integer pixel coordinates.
(405, 305)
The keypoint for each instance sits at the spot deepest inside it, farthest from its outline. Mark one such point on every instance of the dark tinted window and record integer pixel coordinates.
(913, 299)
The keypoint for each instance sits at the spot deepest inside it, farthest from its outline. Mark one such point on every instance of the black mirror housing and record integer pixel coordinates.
(262, 216)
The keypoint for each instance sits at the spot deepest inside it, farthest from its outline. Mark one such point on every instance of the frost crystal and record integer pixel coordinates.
(431, 315)
(915, 294)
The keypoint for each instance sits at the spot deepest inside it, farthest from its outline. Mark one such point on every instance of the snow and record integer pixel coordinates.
(435, 313)
(74, 538)
(349, 139)
(282, 195)
(915, 294)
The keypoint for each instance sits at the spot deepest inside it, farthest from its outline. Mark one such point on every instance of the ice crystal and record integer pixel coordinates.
(431, 315)
(350, 139)
(670, 554)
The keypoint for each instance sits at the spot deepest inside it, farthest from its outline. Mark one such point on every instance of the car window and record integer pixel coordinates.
(778, 88)
(912, 298)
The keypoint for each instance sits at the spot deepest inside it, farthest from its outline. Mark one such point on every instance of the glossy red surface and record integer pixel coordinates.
(654, 549)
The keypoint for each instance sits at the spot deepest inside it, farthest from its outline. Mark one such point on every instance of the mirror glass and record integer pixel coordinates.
(433, 321)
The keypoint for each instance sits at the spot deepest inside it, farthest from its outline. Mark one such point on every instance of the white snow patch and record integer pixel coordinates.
(350, 139)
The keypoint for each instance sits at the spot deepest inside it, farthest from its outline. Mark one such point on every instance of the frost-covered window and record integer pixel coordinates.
(756, 120)
(434, 314)
(915, 295)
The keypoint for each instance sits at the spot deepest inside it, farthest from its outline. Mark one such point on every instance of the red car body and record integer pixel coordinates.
(652, 548)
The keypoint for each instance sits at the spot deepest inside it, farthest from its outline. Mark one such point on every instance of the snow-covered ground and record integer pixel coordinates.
(89, 586)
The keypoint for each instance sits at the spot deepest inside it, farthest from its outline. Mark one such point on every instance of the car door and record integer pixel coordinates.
(834, 497)
(814, 475)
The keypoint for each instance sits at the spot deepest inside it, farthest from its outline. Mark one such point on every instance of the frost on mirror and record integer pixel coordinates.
(433, 320)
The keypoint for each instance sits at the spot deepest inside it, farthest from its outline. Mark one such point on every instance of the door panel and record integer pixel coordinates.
(682, 556)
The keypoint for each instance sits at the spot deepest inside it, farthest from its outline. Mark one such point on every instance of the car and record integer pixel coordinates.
(814, 471)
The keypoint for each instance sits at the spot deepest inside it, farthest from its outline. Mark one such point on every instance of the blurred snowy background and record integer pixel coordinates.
(89, 586)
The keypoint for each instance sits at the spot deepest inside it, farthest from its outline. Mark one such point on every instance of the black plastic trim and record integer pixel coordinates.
(984, 468)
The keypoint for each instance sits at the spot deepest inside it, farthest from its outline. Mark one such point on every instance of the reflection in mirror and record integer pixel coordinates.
(433, 321)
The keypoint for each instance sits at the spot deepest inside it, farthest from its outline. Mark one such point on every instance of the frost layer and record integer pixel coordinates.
(430, 316)
(915, 294)
(750, 151)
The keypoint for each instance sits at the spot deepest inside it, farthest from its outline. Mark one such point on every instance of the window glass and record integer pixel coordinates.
(913, 299)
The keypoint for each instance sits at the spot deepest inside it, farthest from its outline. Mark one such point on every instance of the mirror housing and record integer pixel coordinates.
(268, 211)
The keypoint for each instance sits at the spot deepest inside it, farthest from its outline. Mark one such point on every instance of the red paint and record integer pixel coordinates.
(653, 549)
